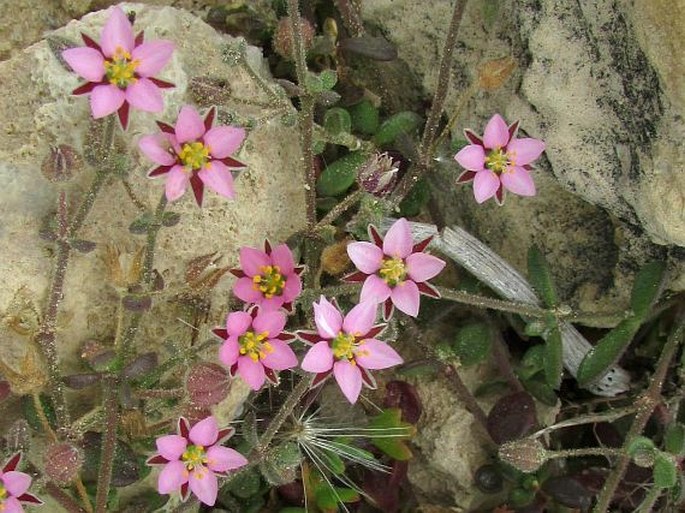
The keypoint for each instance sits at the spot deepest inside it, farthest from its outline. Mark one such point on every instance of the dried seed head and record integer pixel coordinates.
(334, 258)
(61, 163)
(493, 74)
(378, 175)
(63, 462)
(283, 41)
(207, 384)
(526, 455)
(29, 378)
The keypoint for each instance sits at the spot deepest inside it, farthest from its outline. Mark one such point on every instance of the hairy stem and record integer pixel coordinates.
(585, 451)
(83, 493)
(109, 441)
(63, 498)
(340, 208)
(492, 303)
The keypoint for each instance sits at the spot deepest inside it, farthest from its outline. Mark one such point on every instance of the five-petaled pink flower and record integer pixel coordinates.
(394, 270)
(120, 70)
(268, 278)
(255, 345)
(193, 458)
(193, 152)
(347, 347)
(14, 486)
(499, 161)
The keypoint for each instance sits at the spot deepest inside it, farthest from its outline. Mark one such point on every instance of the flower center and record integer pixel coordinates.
(3, 496)
(343, 346)
(120, 69)
(393, 271)
(194, 456)
(194, 155)
(271, 282)
(253, 345)
(497, 161)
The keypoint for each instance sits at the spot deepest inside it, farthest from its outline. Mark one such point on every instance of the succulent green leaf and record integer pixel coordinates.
(400, 123)
(245, 484)
(533, 361)
(473, 343)
(665, 471)
(646, 288)
(607, 351)
(541, 391)
(141, 225)
(328, 498)
(395, 447)
(340, 175)
(337, 120)
(554, 358)
(674, 440)
(324, 81)
(640, 446)
(365, 119)
(541, 277)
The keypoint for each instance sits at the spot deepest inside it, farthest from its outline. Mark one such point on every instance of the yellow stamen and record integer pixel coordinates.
(194, 155)
(120, 69)
(194, 457)
(344, 347)
(270, 283)
(393, 271)
(253, 345)
(498, 161)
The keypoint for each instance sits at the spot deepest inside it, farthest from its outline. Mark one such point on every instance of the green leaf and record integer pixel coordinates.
(418, 196)
(674, 440)
(400, 123)
(473, 344)
(337, 120)
(245, 484)
(170, 219)
(665, 471)
(340, 175)
(646, 288)
(554, 358)
(541, 277)
(324, 81)
(365, 119)
(533, 361)
(328, 498)
(333, 462)
(395, 447)
(642, 450)
(142, 224)
(282, 464)
(607, 351)
(541, 391)
(31, 413)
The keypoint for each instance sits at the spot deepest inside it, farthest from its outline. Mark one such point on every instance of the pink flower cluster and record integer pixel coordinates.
(14, 487)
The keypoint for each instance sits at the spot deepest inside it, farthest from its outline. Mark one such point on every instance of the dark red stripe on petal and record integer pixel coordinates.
(162, 84)
(420, 246)
(233, 371)
(183, 427)
(140, 38)
(472, 137)
(499, 195)
(466, 177)
(320, 378)
(271, 376)
(29, 498)
(157, 459)
(376, 331)
(308, 337)
(159, 171)
(428, 290)
(267, 247)
(286, 337)
(354, 277)
(288, 307)
(232, 163)
(209, 118)
(123, 114)
(388, 309)
(375, 236)
(85, 88)
(253, 311)
(238, 273)
(88, 41)
(299, 269)
(185, 492)
(166, 128)
(367, 378)
(198, 188)
(513, 129)
(221, 333)
(12, 463)
(225, 434)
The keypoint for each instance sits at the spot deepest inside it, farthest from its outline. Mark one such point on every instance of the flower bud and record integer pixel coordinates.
(334, 258)
(207, 384)
(378, 175)
(526, 455)
(61, 163)
(62, 463)
(283, 40)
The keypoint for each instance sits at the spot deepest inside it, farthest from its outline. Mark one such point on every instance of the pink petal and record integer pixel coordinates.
(205, 432)
(422, 266)
(16, 483)
(406, 297)
(221, 459)
(243, 289)
(224, 140)
(204, 485)
(292, 289)
(176, 183)
(171, 446)
(152, 57)
(281, 358)
(485, 185)
(106, 99)
(366, 257)
(361, 318)
(327, 318)
(86, 62)
(237, 323)
(349, 379)
(145, 95)
(252, 260)
(398, 242)
(471, 157)
(376, 354)
(496, 133)
(172, 476)
(189, 125)
(117, 32)
(375, 289)
(319, 358)
(270, 304)
(229, 351)
(219, 178)
(252, 372)
(156, 148)
(519, 181)
(283, 258)
(524, 151)
(12, 505)
(270, 322)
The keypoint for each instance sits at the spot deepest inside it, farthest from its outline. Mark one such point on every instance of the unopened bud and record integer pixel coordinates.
(207, 384)
(378, 175)
(283, 40)
(334, 258)
(62, 463)
(61, 163)
(526, 455)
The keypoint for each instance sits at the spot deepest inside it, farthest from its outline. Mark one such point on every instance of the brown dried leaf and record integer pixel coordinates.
(493, 74)
(22, 315)
(209, 281)
(197, 266)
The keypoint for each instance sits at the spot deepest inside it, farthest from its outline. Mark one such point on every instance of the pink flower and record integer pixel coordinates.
(268, 278)
(394, 270)
(14, 486)
(120, 69)
(193, 458)
(347, 347)
(255, 346)
(499, 160)
(194, 153)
